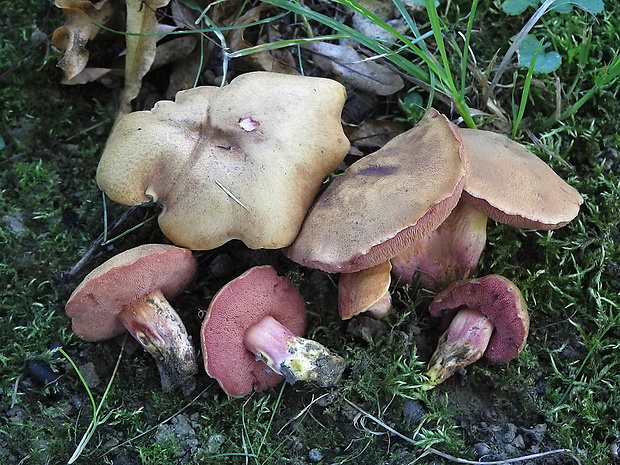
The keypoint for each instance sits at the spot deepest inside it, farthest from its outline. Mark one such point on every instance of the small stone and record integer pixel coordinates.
(519, 442)
(482, 449)
(315, 455)
(414, 411)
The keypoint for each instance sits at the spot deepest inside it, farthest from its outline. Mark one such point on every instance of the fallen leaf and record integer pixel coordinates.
(141, 20)
(85, 76)
(354, 69)
(78, 29)
(277, 61)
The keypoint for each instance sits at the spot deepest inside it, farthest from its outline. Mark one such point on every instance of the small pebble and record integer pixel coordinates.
(42, 372)
(414, 411)
(315, 455)
(482, 449)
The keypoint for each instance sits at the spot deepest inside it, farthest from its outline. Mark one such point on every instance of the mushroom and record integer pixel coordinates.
(503, 181)
(449, 253)
(510, 184)
(243, 161)
(251, 336)
(365, 291)
(385, 201)
(128, 292)
(487, 316)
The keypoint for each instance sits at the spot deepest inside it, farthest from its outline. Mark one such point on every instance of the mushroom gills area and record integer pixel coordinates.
(462, 344)
(160, 331)
(295, 358)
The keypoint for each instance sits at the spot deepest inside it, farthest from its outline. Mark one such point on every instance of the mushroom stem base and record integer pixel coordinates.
(462, 344)
(295, 358)
(160, 331)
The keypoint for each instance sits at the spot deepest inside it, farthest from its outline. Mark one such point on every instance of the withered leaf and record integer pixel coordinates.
(354, 69)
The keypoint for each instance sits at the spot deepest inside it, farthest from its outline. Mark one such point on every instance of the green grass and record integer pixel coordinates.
(51, 211)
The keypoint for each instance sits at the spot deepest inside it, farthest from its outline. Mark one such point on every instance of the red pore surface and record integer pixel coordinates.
(499, 300)
(123, 280)
(241, 303)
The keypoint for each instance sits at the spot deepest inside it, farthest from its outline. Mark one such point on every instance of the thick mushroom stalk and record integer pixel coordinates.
(463, 343)
(159, 330)
(294, 357)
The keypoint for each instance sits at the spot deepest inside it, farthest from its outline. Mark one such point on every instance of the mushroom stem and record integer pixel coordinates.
(159, 330)
(449, 253)
(295, 358)
(462, 344)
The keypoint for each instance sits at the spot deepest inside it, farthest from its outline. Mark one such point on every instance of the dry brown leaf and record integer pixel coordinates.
(78, 29)
(372, 134)
(277, 61)
(142, 20)
(354, 69)
(86, 75)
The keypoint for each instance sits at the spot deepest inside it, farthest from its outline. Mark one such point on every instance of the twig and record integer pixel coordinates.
(431, 450)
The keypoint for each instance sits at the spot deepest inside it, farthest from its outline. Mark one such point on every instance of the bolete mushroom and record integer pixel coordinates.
(449, 253)
(385, 201)
(365, 291)
(510, 184)
(128, 292)
(251, 336)
(503, 181)
(243, 161)
(487, 316)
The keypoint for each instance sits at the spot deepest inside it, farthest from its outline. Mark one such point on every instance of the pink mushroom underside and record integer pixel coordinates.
(95, 304)
(492, 297)
(237, 306)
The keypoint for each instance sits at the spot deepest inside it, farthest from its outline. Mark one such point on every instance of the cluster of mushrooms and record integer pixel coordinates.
(246, 161)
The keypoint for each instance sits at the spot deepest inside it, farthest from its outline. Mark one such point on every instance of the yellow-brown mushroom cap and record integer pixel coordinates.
(385, 201)
(244, 161)
(510, 184)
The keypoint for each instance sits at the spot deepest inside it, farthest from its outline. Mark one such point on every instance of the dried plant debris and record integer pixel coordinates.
(354, 69)
(78, 29)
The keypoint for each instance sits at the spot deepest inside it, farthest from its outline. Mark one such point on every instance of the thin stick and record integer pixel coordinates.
(431, 450)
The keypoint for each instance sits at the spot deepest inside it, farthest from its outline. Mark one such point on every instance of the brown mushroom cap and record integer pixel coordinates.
(124, 279)
(510, 184)
(243, 161)
(384, 201)
(497, 298)
(240, 304)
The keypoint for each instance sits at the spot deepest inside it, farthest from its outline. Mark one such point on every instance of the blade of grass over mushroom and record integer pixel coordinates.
(438, 77)
(282, 44)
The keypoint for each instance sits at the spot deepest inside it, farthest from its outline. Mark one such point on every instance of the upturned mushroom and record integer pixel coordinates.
(251, 336)
(243, 161)
(487, 316)
(385, 201)
(503, 181)
(128, 293)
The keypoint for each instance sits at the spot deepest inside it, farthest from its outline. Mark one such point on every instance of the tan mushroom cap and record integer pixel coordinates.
(124, 279)
(385, 201)
(244, 161)
(510, 184)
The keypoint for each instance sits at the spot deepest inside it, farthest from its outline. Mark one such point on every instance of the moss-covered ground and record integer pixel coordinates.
(562, 392)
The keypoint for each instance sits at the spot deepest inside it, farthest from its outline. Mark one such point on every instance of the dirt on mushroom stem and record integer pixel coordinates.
(296, 358)
(159, 330)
